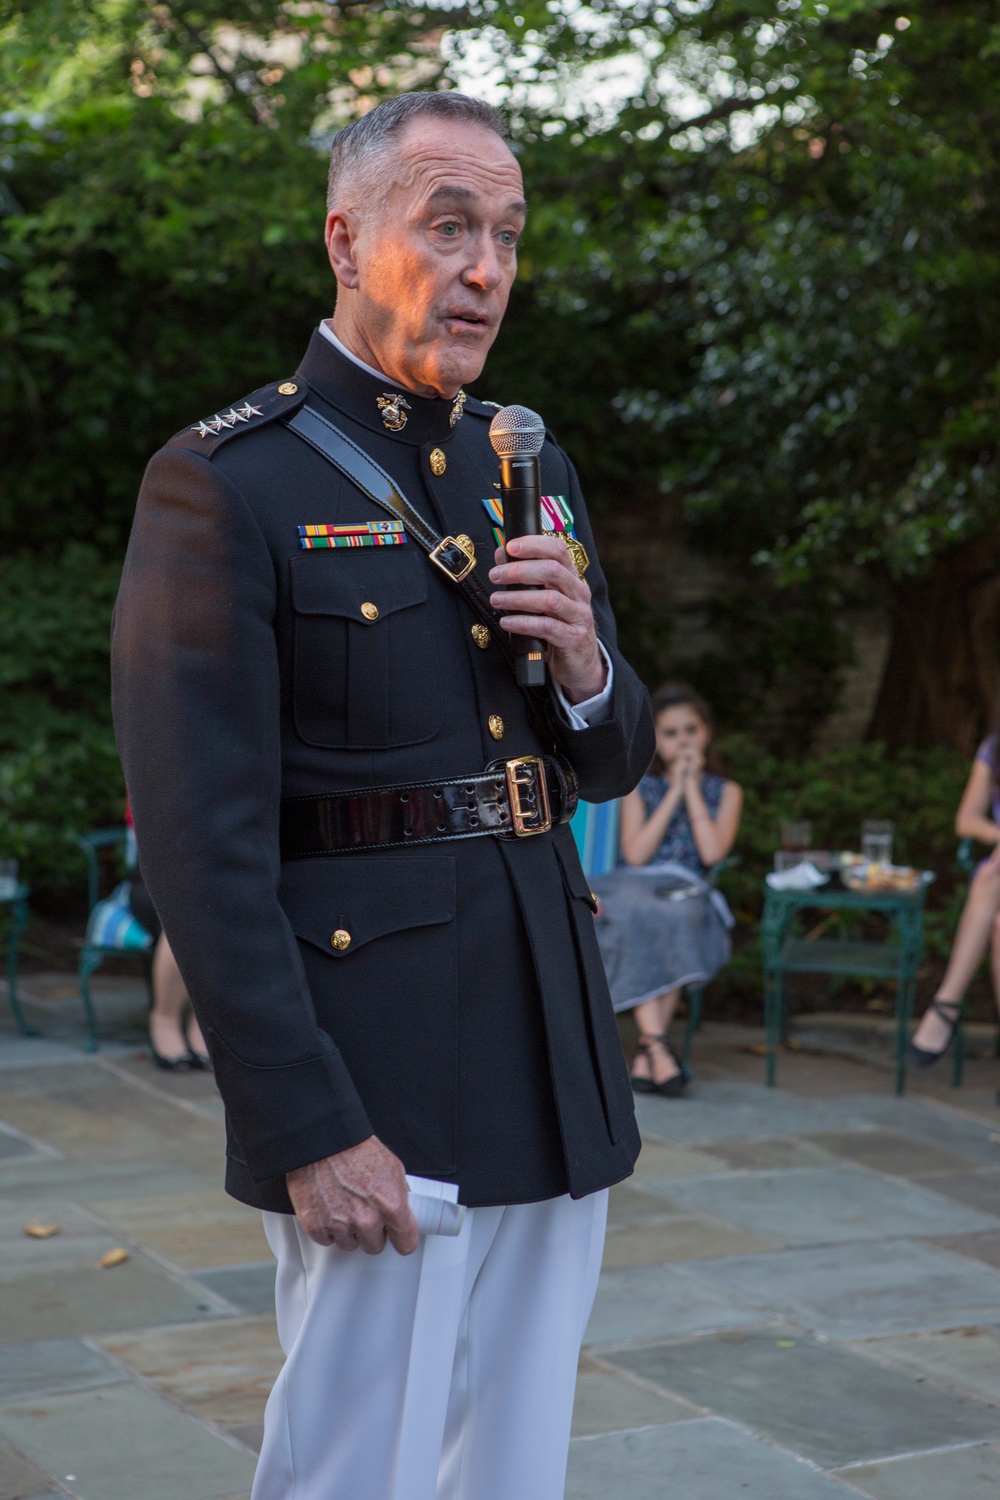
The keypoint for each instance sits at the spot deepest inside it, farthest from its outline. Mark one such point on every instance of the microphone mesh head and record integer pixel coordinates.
(517, 432)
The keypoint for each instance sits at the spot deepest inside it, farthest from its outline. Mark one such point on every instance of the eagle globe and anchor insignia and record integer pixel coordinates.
(394, 408)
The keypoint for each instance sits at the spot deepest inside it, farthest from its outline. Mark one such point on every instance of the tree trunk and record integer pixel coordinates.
(942, 674)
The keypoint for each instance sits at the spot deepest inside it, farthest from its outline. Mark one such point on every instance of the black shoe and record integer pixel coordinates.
(182, 1064)
(920, 1057)
(670, 1088)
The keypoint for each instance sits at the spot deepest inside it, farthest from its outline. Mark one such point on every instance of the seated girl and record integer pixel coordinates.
(659, 926)
(978, 818)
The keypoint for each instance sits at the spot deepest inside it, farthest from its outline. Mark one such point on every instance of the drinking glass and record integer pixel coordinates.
(796, 835)
(876, 840)
(8, 878)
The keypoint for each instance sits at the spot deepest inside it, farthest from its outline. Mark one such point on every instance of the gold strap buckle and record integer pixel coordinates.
(437, 557)
(528, 792)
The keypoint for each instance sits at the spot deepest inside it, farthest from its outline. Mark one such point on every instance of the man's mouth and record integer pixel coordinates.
(466, 321)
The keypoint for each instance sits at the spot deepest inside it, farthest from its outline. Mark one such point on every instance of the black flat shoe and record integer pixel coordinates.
(921, 1057)
(670, 1088)
(182, 1064)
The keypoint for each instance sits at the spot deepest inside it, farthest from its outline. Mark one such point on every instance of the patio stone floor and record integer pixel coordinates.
(800, 1300)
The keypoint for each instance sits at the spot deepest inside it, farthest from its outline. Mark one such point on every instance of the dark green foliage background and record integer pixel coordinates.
(785, 343)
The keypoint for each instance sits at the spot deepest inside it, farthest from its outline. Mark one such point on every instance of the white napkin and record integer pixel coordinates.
(804, 877)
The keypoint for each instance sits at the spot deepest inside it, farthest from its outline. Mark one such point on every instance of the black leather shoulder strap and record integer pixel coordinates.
(374, 482)
(444, 552)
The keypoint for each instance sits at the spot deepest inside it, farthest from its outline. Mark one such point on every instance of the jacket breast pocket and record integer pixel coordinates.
(364, 674)
(377, 938)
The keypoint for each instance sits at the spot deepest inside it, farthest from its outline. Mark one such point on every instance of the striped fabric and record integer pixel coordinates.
(112, 924)
(595, 828)
(556, 515)
(353, 534)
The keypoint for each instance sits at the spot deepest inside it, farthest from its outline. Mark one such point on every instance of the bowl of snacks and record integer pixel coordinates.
(865, 876)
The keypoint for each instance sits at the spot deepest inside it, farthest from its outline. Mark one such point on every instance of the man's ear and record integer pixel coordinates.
(341, 236)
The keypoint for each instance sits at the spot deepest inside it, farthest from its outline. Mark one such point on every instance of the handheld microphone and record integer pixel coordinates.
(517, 436)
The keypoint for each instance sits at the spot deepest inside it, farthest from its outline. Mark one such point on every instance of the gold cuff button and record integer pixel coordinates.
(370, 611)
(287, 388)
(496, 726)
(481, 636)
(340, 940)
(438, 462)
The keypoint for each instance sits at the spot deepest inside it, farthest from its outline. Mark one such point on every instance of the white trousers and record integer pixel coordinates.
(448, 1374)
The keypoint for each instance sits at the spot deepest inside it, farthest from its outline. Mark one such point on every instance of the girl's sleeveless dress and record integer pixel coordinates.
(659, 927)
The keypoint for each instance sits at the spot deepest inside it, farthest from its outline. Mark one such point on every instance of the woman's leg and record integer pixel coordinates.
(995, 960)
(975, 929)
(166, 1031)
(652, 1018)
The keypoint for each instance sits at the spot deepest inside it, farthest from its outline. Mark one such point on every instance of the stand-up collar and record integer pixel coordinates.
(357, 393)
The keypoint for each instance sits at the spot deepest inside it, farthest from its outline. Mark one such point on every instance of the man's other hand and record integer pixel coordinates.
(357, 1199)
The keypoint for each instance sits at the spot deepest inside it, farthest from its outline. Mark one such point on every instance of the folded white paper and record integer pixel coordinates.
(804, 877)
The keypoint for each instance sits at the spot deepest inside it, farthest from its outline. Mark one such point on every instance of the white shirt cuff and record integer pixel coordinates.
(591, 711)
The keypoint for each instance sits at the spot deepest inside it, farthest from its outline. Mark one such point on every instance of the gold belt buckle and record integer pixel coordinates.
(526, 772)
(436, 559)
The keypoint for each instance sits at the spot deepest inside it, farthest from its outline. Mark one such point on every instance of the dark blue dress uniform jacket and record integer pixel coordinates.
(468, 1023)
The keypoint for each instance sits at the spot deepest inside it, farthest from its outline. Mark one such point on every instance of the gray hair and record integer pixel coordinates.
(358, 147)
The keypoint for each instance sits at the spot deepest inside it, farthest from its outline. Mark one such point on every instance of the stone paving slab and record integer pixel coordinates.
(780, 1154)
(191, 1230)
(79, 1242)
(250, 1289)
(962, 1474)
(966, 1359)
(607, 1401)
(648, 1302)
(898, 1155)
(222, 1374)
(59, 1179)
(724, 1111)
(943, 1127)
(979, 1190)
(708, 1459)
(43, 1365)
(20, 1480)
(819, 1399)
(859, 1290)
(984, 1247)
(123, 1442)
(628, 1206)
(86, 1300)
(678, 1238)
(87, 1112)
(824, 1205)
(657, 1159)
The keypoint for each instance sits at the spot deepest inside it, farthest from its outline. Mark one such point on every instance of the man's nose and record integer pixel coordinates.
(483, 269)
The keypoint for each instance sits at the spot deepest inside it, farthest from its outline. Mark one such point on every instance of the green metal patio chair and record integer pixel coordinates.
(110, 932)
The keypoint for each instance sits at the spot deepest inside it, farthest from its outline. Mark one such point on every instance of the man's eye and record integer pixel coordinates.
(449, 230)
(508, 238)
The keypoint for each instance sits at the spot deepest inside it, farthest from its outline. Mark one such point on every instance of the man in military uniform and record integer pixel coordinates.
(389, 949)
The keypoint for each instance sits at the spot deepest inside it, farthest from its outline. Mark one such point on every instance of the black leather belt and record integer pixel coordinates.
(510, 799)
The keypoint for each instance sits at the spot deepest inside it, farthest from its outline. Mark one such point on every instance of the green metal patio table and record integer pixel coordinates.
(787, 951)
(17, 900)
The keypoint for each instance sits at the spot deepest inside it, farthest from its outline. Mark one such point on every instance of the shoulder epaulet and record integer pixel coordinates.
(482, 408)
(270, 404)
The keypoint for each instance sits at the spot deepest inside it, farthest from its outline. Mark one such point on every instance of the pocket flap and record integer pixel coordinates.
(574, 879)
(339, 582)
(364, 898)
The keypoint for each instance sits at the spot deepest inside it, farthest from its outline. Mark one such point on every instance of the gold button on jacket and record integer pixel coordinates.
(340, 939)
(438, 462)
(370, 611)
(496, 726)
